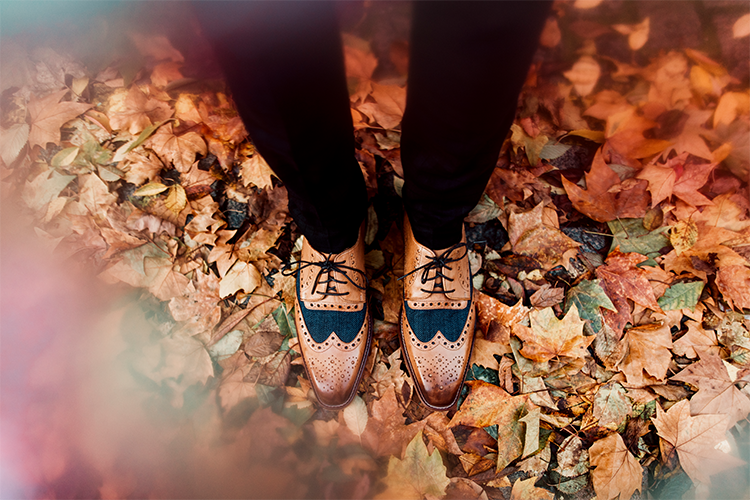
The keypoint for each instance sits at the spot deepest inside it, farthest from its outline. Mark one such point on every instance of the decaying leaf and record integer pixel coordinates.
(616, 471)
(417, 475)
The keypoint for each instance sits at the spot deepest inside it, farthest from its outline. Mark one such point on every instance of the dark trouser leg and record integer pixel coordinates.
(468, 63)
(284, 63)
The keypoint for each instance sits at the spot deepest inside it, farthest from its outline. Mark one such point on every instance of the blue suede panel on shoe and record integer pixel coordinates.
(426, 322)
(320, 324)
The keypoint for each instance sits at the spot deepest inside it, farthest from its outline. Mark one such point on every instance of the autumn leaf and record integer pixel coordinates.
(491, 311)
(48, 115)
(164, 282)
(647, 359)
(696, 338)
(242, 276)
(233, 388)
(132, 110)
(622, 278)
(180, 150)
(524, 489)
(417, 475)
(12, 142)
(549, 338)
(716, 391)
(176, 198)
(488, 404)
(681, 295)
(678, 178)
(611, 406)
(355, 416)
(588, 297)
(695, 440)
(616, 471)
(602, 200)
(529, 235)
(256, 171)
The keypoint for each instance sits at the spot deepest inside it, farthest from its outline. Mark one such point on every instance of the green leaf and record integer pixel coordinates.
(681, 295)
(631, 236)
(588, 297)
(65, 157)
(145, 134)
(150, 189)
(285, 321)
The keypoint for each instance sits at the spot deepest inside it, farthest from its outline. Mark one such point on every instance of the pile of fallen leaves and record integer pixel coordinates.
(611, 254)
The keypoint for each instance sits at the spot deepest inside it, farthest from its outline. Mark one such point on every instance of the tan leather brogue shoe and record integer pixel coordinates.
(333, 323)
(437, 319)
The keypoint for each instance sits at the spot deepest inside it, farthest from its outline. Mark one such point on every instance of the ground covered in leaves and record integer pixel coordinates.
(611, 254)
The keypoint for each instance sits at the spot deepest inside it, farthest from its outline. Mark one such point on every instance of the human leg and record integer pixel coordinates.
(284, 64)
(467, 65)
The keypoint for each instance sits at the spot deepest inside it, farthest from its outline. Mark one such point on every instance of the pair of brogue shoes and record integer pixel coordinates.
(334, 324)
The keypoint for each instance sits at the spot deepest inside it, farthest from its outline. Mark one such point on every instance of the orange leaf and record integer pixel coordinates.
(49, 114)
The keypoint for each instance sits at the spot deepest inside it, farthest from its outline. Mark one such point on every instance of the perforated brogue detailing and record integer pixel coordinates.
(334, 307)
(436, 304)
(440, 371)
(439, 340)
(329, 372)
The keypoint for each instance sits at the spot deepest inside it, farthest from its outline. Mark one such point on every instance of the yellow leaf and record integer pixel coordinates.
(550, 337)
(700, 80)
(592, 135)
(176, 199)
(150, 189)
(683, 236)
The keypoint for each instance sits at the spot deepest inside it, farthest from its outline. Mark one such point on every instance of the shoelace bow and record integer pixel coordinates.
(438, 263)
(328, 266)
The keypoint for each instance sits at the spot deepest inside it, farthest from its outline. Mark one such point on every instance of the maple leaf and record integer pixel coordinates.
(491, 311)
(389, 105)
(695, 440)
(550, 338)
(242, 276)
(678, 178)
(529, 235)
(547, 296)
(484, 351)
(164, 282)
(696, 338)
(488, 404)
(734, 284)
(417, 475)
(716, 391)
(622, 278)
(95, 195)
(180, 150)
(48, 114)
(648, 354)
(611, 406)
(605, 198)
(256, 171)
(134, 111)
(616, 472)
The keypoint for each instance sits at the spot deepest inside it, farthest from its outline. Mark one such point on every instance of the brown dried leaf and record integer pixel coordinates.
(617, 472)
(48, 114)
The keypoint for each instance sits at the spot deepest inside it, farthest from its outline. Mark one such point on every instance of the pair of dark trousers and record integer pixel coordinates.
(284, 64)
